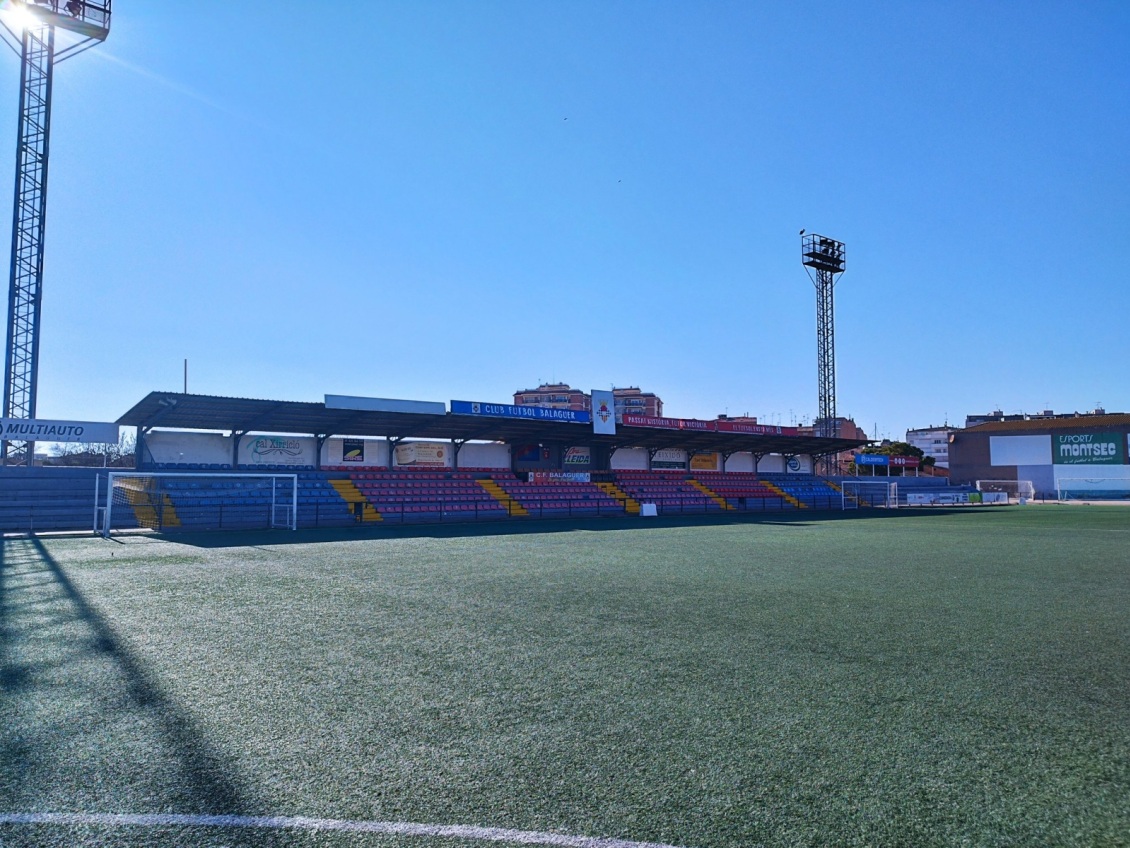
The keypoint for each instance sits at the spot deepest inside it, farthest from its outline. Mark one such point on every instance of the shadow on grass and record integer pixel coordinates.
(526, 526)
(85, 726)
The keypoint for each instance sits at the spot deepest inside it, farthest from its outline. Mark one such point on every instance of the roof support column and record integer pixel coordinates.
(140, 448)
(726, 457)
(456, 446)
(319, 440)
(236, 436)
(757, 457)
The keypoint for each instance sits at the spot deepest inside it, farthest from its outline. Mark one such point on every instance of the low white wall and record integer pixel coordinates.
(630, 459)
(170, 446)
(477, 455)
(772, 464)
(740, 462)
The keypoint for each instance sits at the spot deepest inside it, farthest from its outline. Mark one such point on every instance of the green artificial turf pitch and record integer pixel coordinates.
(889, 678)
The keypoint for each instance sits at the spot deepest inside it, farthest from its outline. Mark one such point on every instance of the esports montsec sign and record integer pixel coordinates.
(42, 430)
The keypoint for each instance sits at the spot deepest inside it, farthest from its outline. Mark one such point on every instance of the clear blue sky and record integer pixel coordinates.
(442, 200)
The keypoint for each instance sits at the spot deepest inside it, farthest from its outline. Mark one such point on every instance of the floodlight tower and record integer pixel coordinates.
(825, 257)
(29, 29)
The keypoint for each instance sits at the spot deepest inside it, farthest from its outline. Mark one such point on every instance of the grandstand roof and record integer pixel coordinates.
(178, 411)
(1074, 422)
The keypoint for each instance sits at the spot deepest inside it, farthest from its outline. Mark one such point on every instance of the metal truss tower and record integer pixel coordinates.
(824, 259)
(30, 29)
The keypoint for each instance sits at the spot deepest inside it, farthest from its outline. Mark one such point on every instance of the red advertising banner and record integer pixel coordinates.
(649, 421)
(754, 429)
(707, 426)
(669, 423)
(905, 461)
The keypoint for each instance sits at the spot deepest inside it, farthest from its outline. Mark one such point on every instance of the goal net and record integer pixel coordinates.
(1012, 490)
(869, 493)
(169, 501)
(1092, 488)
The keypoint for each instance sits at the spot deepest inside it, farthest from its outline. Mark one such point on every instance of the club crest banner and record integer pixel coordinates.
(603, 412)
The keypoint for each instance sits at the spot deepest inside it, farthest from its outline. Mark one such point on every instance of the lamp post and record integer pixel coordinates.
(823, 258)
(29, 28)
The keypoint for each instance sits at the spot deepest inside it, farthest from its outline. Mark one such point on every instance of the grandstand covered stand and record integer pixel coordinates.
(198, 485)
(244, 416)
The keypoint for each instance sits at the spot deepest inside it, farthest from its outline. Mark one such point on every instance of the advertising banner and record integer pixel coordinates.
(42, 430)
(529, 413)
(754, 429)
(904, 461)
(278, 450)
(668, 423)
(1088, 449)
(577, 456)
(651, 421)
(706, 426)
(872, 459)
(352, 450)
(603, 412)
(669, 458)
(431, 454)
(560, 477)
(704, 462)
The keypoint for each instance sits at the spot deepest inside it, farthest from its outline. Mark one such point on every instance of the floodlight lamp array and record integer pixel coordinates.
(822, 253)
(87, 20)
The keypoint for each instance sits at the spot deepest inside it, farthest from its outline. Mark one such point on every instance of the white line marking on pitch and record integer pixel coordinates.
(451, 831)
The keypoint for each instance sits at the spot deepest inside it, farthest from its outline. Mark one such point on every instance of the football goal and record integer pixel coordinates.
(1092, 488)
(1012, 490)
(170, 501)
(869, 493)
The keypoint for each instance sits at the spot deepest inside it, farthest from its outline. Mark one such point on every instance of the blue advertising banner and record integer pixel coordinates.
(872, 459)
(529, 413)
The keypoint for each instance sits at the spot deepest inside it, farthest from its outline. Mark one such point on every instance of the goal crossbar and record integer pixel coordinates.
(150, 498)
(868, 493)
(1014, 489)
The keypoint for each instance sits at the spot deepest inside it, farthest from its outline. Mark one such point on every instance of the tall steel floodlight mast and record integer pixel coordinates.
(825, 257)
(29, 29)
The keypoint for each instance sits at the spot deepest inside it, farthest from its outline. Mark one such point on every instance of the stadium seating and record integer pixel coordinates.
(44, 499)
(808, 490)
(670, 491)
(560, 498)
(36, 500)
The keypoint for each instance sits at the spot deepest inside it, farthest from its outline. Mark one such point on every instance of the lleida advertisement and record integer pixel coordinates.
(1088, 449)
(432, 454)
(352, 450)
(577, 456)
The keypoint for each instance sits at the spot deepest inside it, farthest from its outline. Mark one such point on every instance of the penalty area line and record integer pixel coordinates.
(451, 831)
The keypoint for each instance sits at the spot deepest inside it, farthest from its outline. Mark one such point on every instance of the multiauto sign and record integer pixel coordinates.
(1087, 449)
(42, 430)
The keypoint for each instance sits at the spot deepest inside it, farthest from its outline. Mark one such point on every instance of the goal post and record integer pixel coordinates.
(869, 493)
(1014, 490)
(1092, 488)
(195, 501)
